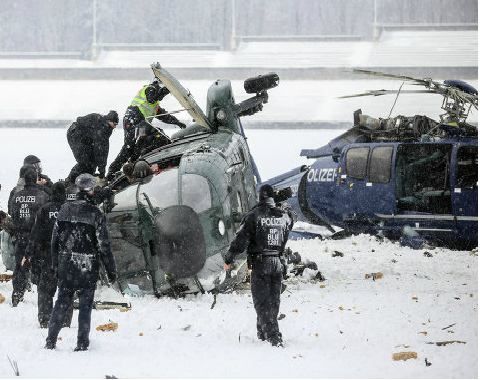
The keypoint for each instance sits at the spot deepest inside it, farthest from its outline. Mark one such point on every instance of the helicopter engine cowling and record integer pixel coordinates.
(179, 241)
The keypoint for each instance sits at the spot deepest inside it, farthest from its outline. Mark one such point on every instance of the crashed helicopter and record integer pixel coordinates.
(168, 230)
(406, 177)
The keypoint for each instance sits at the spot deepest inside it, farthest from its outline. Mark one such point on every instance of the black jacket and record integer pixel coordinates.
(90, 134)
(263, 231)
(41, 234)
(24, 207)
(79, 241)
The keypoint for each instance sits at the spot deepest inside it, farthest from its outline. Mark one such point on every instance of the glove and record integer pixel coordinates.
(162, 92)
(181, 125)
(112, 277)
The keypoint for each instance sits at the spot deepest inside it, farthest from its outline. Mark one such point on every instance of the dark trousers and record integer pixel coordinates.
(47, 285)
(266, 289)
(20, 273)
(64, 300)
(122, 157)
(83, 155)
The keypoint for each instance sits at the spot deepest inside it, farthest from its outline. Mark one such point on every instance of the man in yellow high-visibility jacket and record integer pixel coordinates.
(138, 116)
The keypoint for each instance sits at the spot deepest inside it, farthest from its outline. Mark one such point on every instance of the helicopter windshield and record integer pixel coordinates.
(162, 191)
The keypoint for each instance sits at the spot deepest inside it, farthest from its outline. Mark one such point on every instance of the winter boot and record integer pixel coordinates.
(261, 335)
(50, 344)
(16, 299)
(43, 324)
(81, 347)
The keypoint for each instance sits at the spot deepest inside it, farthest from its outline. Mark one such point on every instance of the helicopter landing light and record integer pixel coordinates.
(221, 227)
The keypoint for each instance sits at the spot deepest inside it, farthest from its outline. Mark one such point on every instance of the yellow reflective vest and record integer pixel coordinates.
(140, 100)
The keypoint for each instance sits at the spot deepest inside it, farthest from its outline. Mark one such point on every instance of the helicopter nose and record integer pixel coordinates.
(179, 241)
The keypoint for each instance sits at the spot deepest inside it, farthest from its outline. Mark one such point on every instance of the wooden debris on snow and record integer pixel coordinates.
(445, 342)
(4, 277)
(111, 326)
(2, 298)
(404, 355)
(374, 276)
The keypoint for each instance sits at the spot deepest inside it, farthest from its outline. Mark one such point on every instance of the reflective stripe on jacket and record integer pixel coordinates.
(140, 100)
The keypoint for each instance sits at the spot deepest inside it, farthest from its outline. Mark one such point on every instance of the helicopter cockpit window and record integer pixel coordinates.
(196, 192)
(161, 191)
(380, 164)
(467, 167)
(357, 162)
(125, 199)
(423, 178)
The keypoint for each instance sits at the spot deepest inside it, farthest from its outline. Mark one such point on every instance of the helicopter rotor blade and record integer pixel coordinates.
(427, 82)
(386, 92)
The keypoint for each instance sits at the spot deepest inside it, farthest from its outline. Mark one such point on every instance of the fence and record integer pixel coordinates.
(79, 27)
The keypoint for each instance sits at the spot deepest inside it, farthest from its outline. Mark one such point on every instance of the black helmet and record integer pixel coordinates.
(33, 160)
(141, 169)
(266, 191)
(85, 182)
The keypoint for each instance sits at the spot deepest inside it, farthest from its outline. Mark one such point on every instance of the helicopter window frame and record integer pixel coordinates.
(356, 166)
(201, 186)
(466, 179)
(382, 172)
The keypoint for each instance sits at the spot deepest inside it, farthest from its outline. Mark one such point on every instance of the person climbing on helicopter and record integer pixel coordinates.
(139, 134)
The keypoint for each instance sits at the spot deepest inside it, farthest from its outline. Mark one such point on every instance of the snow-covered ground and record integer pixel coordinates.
(345, 327)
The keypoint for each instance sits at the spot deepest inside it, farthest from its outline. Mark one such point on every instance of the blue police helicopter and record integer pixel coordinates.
(406, 177)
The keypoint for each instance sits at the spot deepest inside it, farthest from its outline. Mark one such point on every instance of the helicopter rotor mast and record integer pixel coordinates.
(458, 96)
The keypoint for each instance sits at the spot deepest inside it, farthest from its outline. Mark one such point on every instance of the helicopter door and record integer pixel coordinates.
(465, 191)
(357, 196)
(369, 174)
(127, 244)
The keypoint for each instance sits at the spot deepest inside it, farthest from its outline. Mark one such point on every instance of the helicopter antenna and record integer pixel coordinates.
(395, 102)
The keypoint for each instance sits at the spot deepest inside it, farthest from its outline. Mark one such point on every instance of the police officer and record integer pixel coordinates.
(79, 242)
(138, 116)
(20, 185)
(25, 206)
(88, 138)
(263, 232)
(39, 254)
(43, 180)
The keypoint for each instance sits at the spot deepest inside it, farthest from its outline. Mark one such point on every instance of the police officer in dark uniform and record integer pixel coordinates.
(139, 134)
(264, 233)
(79, 242)
(43, 180)
(88, 138)
(25, 205)
(39, 254)
(20, 185)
